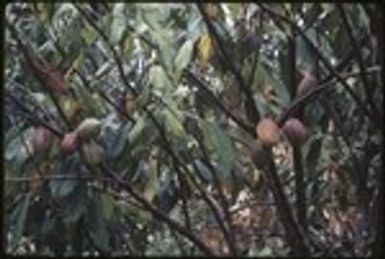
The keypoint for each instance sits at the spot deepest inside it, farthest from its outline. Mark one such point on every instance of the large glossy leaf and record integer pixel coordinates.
(221, 145)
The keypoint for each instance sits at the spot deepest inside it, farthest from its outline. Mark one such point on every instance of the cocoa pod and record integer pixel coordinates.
(295, 131)
(258, 154)
(41, 139)
(93, 153)
(70, 142)
(88, 128)
(307, 83)
(268, 132)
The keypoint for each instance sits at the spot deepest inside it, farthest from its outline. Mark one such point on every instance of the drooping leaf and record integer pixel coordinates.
(98, 232)
(183, 57)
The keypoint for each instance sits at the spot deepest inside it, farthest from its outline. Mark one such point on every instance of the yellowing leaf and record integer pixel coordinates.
(205, 49)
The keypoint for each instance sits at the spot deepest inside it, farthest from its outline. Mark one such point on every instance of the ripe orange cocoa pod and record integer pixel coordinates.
(268, 132)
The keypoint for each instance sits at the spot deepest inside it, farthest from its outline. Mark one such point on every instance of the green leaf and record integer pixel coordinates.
(61, 188)
(115, 139)
(118, 25)
(107, 205)
(99, 232)
(21, 219)
(137, 129)
(16, 152)
(183, 57)
(76, 203)
(46, 11)
(222, 146)
(144, 95)
(159, 78)
(85, 97)
(173, 124)
(162, 38)
(88, 34)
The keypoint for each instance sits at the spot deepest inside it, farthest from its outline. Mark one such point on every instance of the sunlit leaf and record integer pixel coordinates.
(158, 78)
(118, 25)
(183, 57)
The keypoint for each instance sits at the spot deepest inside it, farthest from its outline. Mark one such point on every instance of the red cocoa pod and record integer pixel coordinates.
(268, 132)
(295, 131)
(70, 142)
(41, 139)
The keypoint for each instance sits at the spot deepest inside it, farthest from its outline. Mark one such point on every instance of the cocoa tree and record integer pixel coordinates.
(193, 129)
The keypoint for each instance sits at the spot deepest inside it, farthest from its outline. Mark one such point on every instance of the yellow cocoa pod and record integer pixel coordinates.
(88, 128)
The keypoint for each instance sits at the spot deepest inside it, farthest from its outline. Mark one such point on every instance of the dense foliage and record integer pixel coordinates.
(189, 129)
